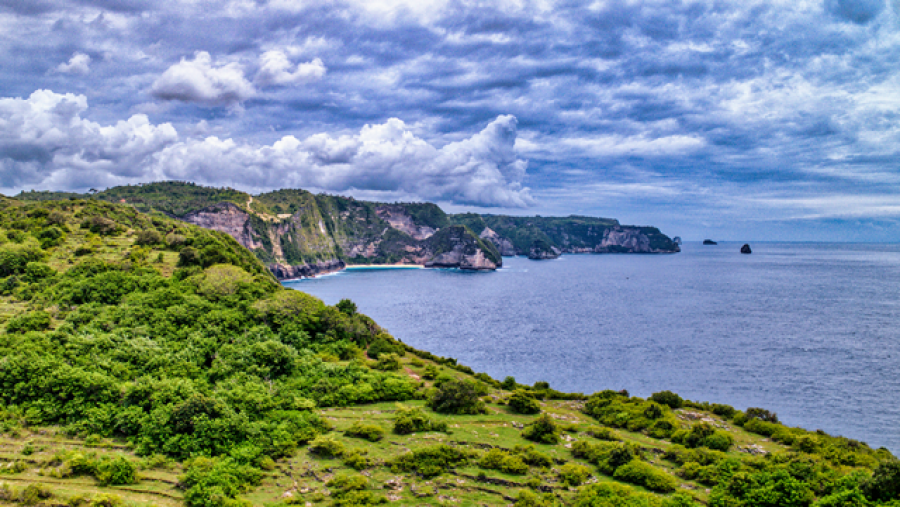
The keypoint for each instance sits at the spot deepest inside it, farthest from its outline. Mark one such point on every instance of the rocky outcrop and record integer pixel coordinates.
(628, 240)
(287, 271)
(541, 250)
(460, 249)
(709, 242)
(228, 218)
(746, 249)
(398, 218)
(504, 246)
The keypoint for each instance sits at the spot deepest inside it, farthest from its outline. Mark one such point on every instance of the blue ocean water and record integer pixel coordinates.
(810, 331)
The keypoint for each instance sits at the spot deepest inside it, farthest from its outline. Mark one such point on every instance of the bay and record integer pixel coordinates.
(808, 330)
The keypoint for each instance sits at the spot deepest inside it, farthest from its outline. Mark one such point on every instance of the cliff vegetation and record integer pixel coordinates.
(145, 361)
(298, 233)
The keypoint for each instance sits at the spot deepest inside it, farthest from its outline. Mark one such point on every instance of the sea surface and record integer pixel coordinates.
(808, 330)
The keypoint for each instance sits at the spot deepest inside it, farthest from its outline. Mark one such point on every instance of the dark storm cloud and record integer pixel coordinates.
(637, 102)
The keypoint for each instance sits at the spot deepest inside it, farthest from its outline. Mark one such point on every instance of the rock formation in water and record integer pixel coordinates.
(709, 242)
(746, 249)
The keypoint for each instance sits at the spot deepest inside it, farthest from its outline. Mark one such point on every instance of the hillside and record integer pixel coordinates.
(145, 361)
(297, 233)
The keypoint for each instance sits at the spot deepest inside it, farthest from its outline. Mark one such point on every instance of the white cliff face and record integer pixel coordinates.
(504, 245)
(227, 218)
(400, 220)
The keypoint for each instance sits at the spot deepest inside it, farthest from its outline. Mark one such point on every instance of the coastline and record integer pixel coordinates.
(350, 267)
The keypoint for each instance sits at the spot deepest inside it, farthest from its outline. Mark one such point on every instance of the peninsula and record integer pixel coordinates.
(296, 233)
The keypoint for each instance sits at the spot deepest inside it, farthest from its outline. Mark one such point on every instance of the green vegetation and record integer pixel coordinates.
(144, 361)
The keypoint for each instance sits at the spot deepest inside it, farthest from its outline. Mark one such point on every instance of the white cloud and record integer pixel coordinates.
(202, 82)
(78, 64)
(276, 69)
(44, 138)
(45, 143)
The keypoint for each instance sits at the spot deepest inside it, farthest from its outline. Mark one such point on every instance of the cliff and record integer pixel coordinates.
(297, 233)
(548, 237)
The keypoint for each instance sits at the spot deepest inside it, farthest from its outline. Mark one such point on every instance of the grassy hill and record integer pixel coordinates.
(145, 361)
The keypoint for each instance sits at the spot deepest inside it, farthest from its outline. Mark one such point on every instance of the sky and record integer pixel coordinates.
(732, 120)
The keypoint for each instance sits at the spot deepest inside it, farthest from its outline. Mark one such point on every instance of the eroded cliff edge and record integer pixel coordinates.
(298, 234)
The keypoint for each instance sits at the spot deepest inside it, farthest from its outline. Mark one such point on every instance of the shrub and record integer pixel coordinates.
(384, 345)
(573, 474)
(726, 411)
(101, 226)
(38, 320)
(528, 498)
(356, 460)
(212, 482)
(37, 271)
(116, 472)
(430, 461)
(533, 457)
(388, 362)
(522, 402)
(885, 482)
(761, 414)
(431, 372)
(457, 397)
(643, 474)
(667, 398)
(508, 384)
(346, 307)
(370, 432)
(326, 446)
(412, 420)
(498, 459)
(542, 430)
(603, 434)
(148, 237)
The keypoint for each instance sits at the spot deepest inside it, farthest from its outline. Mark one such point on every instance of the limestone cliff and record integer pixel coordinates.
(297, 233)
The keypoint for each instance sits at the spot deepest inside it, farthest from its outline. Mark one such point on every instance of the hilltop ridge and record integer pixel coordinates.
(297, 233)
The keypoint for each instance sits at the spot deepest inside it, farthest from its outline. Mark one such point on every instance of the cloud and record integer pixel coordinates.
(857, 11)
(276, 70)
(202, 82)
(78, 64)
(44, 141)
(44, 138)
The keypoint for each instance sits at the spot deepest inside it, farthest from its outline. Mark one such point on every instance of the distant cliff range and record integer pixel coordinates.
(297, 233)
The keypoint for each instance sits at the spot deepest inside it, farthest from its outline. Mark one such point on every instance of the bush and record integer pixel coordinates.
(116, 472)
(430, 461)
(326, 446)
(522, 402)
(528, 498)
(346, 307)
(431, 372)
(644, 474)
(573, 474)
(508, 384)
(542, 430)
(356, 460)
(533, 457)
(603, 434)
(761, 414)
(149, 237)
(212, 482)
(101, 226)
(498, 459)
(885, 482)
(384, 345)
(667, 398)
(412, 420)
(388, 362)
(33, 321)
(457, 397)
(370, 432)
(726, 411)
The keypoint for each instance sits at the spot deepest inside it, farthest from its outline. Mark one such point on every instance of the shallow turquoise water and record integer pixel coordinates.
(807, 330)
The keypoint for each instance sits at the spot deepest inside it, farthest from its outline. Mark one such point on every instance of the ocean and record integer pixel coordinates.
(808, 330)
